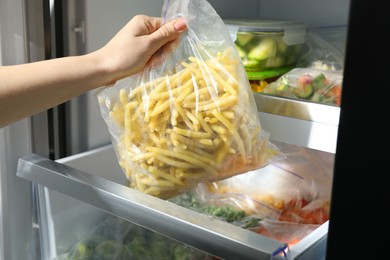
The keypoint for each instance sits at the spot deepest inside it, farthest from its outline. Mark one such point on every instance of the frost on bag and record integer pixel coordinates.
(190, 116)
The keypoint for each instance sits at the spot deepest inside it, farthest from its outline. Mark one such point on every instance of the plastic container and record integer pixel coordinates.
(268, 48)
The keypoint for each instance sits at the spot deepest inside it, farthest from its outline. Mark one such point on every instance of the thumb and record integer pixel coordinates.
(167, 32)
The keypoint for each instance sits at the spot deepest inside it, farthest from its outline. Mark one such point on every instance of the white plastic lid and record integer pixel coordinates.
(293, 31)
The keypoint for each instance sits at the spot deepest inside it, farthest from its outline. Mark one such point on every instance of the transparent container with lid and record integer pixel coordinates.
(268, 48)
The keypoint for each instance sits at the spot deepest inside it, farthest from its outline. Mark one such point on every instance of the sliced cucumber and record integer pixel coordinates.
(319, 81)
(303, 91)
(243, 38)
(266, 49)
(241, 52)
(252, 65)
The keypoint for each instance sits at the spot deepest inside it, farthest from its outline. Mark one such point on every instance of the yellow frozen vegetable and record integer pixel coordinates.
(194, 125)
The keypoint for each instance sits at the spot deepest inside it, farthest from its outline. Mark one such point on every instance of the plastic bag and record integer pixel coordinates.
(117, 239)
(290, 198)
(318, 74)
(326, 49)
(285, 232)
(301, 182)
(262, 193)
(225, 210)
(317, 85)
(190, 116)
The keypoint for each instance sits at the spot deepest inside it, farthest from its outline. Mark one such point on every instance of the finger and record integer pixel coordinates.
(180, 25)
(167, 32)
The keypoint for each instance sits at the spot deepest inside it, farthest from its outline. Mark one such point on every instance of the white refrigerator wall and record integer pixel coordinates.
(104, 18)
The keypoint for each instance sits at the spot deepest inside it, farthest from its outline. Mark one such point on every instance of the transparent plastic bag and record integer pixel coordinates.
(117, 239)
(262, 193)
(190, 116)
(290, 198)
(326, 48)
(226, 209)
(285, 232)
(318, 74)
(299, 185)
(317, 85)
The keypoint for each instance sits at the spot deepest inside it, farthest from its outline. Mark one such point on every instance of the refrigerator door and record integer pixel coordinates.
(21, 41)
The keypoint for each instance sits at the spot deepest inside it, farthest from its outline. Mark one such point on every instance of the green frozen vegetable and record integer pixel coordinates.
(137, 247)
(243, 38)
(275, 88)
(186, 200)
(225, 212)
(110, 250)
(181, 252)
(294, 52)
(273, 62)
(241, 52)
(319, 81)
(160, 250)
(265, 49)
(112, 228)
(252, 65)
(83, 250)
(135, 232)
(117, 239)
(317, 97)
(282, 47)
(303, 91)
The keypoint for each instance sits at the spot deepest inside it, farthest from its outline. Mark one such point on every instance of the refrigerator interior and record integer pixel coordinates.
(87, 130)
(99, 26)
(75, 200)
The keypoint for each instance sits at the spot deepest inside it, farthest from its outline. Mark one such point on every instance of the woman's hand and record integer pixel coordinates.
(132, 47)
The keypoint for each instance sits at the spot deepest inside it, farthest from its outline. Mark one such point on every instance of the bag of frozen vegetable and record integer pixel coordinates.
(190, 116)
(326, 49)
(285, 201)
(317, 85)
(298, 188)
(117, 239)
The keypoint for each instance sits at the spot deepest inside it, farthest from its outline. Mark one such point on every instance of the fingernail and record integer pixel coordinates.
(180, 25)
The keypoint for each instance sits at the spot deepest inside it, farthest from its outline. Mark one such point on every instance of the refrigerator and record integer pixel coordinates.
(57, 182)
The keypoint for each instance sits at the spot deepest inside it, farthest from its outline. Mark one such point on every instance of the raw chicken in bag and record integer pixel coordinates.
(190, 116)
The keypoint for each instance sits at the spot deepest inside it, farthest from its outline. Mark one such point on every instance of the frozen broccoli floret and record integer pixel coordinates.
(83, 250)
(110, 250)
(249, 222)
(160, 250)
(137, 247)
(227, 213)
(187, 200)
(181, 252)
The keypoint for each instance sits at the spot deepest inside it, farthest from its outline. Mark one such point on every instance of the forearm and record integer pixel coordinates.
(31, 88)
